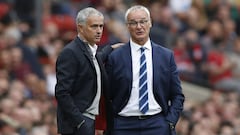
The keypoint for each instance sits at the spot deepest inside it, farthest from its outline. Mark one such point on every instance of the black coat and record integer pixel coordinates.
(77, 83)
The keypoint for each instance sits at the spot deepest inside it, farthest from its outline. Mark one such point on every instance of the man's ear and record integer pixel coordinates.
(80, 28)
(150, 23)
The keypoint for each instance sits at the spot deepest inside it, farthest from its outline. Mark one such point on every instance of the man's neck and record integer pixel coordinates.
(85, 41)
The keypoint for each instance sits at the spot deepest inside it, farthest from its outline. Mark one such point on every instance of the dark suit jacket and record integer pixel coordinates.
(166, 82)
(76, 83)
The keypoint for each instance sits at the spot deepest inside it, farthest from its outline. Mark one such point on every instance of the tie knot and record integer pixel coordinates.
(142, 49)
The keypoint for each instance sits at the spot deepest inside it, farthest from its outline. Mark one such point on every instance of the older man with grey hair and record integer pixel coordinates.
(81, 77)
(145, 88)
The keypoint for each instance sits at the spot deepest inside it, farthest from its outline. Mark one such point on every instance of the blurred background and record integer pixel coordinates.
(203, 34)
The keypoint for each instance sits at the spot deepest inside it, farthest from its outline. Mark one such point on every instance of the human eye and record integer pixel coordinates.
(132, 23)
(95, 26)
(142, 22)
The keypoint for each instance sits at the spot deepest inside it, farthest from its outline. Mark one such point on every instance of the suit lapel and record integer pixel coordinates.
(155, 63)
(127, 59)
(100, 62)
(84, 47)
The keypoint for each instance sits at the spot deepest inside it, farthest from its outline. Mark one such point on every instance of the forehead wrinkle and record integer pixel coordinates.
(141, 19)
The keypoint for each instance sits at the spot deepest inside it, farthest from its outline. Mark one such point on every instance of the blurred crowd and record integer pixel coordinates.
(203, 34)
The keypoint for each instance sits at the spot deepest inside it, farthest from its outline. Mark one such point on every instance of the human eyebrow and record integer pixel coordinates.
(96, 25)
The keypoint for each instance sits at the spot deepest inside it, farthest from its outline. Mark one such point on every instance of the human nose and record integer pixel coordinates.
(99, 29)
(139, 25)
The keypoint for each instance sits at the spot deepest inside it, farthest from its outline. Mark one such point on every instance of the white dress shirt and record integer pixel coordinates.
(132, 107)
(94, 108)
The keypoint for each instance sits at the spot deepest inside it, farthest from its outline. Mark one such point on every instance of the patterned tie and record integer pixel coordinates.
(143, 93)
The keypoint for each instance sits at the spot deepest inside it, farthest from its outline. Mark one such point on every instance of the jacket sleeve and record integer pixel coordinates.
(65, 73)
(176, 95)
(105, 51)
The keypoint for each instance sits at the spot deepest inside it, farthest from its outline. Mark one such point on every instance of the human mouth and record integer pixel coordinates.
(98, 37)
(139, 33)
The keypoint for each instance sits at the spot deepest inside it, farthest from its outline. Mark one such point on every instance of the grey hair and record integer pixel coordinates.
(85, 13)
(137, 7)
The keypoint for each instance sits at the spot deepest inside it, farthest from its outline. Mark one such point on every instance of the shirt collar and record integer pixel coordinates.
(92, 47)
(137, 47)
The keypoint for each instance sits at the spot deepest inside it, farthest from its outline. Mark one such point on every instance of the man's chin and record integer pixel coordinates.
(98, 40)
